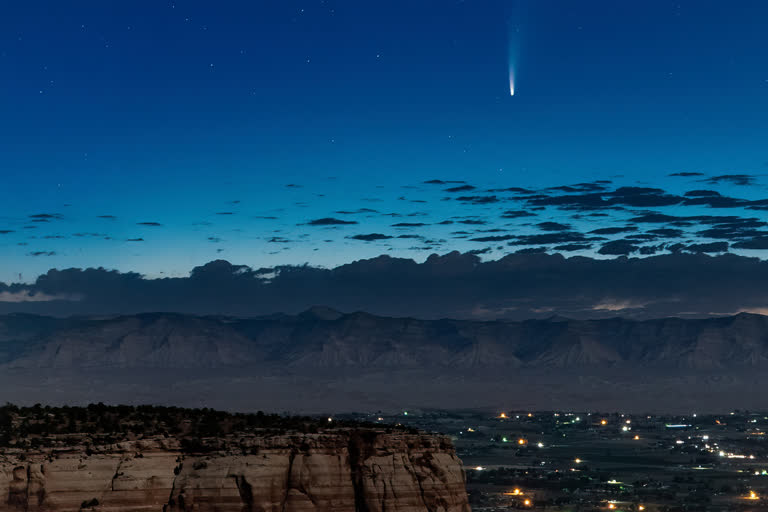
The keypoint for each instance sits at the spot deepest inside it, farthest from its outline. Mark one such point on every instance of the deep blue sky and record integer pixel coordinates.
(165, 112)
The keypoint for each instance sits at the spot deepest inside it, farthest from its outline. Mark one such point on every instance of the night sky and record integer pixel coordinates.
(156, 136)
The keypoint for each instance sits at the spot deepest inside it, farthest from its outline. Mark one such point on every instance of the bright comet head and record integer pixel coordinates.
(511, 82)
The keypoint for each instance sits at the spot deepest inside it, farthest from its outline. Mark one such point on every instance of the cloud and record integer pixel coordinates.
(484, 250)
(330, 221)
(573, 247)
(461, 188)
(354, 212)
(553, 226)
(516, 214)
(134, 239)
(495, 238)
(516, 190)
(734, 179)
(618, 305)
(711, 247)
(478, 199)
(30, 296)
(642, 197)
(686, 174)
(580, 187)
(371, 237)
(408, 225)
(666, 232)
(6, 231)
(614, 230)
(553, 238)
(618, 247)
(760, 243)
(152, 224)
(46, 216)
(448, 285)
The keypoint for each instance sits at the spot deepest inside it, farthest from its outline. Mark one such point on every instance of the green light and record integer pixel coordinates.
(503, 439)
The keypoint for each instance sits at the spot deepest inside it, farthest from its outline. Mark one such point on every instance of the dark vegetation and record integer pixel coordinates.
(45, 426)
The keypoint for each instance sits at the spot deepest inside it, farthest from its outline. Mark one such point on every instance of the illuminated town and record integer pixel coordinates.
(600, 461)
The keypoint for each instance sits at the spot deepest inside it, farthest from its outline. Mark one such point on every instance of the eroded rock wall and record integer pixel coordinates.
(347, 471)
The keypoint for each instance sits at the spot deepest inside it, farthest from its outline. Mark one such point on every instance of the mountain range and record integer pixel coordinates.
(324, 338)
(323, 360)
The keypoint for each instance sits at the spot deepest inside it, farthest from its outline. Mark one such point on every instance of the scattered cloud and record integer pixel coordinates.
(734, 179)
(371, 237)
(686, 174)
(330, 221)
(461, 188)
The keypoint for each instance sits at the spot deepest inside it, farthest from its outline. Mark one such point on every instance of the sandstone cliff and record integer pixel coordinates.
(348, 470)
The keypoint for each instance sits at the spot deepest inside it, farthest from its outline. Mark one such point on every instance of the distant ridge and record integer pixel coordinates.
(322, 337)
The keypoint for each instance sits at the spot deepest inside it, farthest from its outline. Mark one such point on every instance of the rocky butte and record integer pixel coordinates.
(144, 459)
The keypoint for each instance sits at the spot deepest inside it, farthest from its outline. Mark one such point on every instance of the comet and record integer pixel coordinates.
(511, 81)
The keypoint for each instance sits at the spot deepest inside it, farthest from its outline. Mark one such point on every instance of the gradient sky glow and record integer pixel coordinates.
(169, 112)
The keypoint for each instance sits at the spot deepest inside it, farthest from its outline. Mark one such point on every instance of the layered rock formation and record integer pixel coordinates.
(341, 471)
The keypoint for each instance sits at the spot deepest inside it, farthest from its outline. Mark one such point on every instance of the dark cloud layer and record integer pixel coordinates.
(524, 285)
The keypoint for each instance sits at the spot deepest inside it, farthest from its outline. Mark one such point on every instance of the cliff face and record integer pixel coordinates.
(347, 471)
